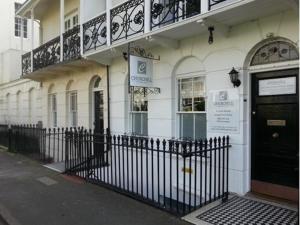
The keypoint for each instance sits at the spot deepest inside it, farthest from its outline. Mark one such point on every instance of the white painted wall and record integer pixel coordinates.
(8, 110)
(215, 61)
(92, 9)
(10, 45)
(10, 67)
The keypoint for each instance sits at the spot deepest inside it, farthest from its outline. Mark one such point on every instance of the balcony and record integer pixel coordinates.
(151, 23)
(49, 54)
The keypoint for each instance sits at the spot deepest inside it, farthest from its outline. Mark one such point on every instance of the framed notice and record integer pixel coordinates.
(224, 111)
(277, 86)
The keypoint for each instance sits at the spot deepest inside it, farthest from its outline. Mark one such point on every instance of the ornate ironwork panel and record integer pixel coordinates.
(94, 33)
(170, 11)
(212, 3)
(127, 19)
(277, 51)
(72, 44)
(26, 63)
(47, 54)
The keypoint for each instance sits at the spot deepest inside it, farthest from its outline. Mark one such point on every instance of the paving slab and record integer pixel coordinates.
(31, 194)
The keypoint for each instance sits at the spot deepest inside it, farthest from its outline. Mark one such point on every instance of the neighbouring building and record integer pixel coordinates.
(82, 66)
(19, 98)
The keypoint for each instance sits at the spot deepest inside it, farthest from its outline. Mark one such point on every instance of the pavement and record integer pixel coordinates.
(31, 194)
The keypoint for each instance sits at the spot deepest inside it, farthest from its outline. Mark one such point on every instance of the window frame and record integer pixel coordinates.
(69, 18)
(134, 112)
(52, 113)
(71, 112)
(19, 22)
(179, 113)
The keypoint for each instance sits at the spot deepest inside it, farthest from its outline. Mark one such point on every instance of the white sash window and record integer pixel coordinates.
(191, 110)
(139, 112)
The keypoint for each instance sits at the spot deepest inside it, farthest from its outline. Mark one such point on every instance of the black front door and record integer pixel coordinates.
(98, 111)
(275, 129)
(98, 137)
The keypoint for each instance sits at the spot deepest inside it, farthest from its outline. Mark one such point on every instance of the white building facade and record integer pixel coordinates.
(19, 98)
(84, 74)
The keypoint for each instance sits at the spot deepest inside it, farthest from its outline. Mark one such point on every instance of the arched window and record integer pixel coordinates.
(190, 106)
(273, 52)
(139, 111)
(18, 107)
(8, 108)
(32, 105)
(72, 114)
(52, 107)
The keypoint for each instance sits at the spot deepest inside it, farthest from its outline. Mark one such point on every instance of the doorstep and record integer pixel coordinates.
(243, 210)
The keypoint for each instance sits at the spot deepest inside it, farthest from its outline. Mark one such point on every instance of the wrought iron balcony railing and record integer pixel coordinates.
(72, 44)
(127, 19)
(212, 3)
(167, 12)
(47, 54)
(94, 33)
(26, 63)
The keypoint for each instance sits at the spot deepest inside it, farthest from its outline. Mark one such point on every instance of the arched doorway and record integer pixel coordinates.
(275, 120)
(97, 106)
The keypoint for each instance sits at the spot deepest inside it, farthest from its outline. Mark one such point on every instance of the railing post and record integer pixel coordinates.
(81, 19)
(9, 139)
(108, 22)
(66, 151)
(147, 15)
(31, 61)
(62, 23)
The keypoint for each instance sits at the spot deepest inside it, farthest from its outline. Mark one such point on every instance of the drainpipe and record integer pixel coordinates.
(108, 97)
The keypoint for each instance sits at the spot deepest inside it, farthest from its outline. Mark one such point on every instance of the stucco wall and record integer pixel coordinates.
(216, 60)
(81, 83)
(50, 22)
(8, 110)
(10, 45)
(193, 55)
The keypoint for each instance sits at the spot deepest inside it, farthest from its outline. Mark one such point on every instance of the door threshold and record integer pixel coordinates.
(280, 201)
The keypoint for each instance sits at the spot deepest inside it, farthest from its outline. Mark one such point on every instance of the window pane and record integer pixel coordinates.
(53, 102)
(185, 94)
(199, 94)
(139, 101)
(200, 126)
(144, 124)
(136, 123)
(187, 126)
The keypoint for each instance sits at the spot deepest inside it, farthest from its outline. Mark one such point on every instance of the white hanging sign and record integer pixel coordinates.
(141, 71)
(223, 112)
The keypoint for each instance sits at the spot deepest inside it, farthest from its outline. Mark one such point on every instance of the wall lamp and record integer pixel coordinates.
(234, 77)
(211, 35)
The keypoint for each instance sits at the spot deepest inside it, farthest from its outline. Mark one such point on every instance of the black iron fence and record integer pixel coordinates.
(4, 136)
(47, 145)
(176, 176)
